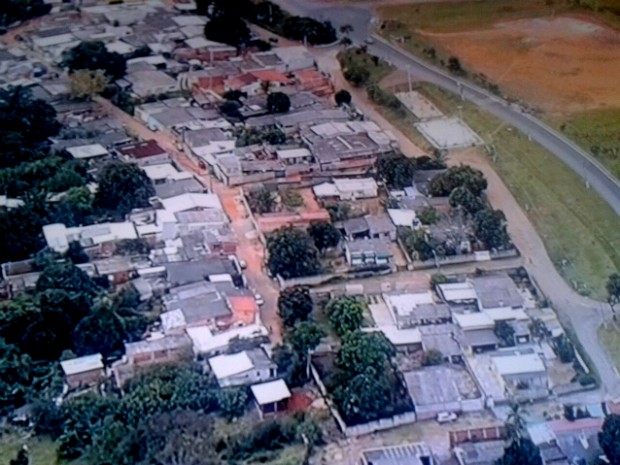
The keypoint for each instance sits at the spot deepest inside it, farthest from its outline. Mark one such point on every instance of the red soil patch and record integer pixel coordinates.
(562, 64)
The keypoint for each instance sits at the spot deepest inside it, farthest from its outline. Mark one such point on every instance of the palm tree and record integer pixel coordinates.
(515, 424)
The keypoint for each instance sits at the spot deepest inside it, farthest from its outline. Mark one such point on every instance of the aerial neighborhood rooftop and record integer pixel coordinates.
(218, 237)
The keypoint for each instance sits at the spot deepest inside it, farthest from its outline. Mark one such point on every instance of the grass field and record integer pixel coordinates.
(610, 337)
(580, 231)
(42, 450)
(596, 131)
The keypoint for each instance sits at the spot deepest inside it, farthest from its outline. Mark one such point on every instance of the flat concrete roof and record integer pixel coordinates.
(448, 133)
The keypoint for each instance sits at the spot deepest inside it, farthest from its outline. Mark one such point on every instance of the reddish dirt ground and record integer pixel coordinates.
(562, 64)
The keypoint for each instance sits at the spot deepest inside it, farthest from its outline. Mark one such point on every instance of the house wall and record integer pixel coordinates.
(159, 356)
(249, 377)
(84, 379)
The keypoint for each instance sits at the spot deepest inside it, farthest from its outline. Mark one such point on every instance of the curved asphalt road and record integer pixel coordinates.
(593, 173)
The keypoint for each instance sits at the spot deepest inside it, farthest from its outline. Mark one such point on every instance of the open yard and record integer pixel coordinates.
(580, 231)
(610, 337)
(42, 450)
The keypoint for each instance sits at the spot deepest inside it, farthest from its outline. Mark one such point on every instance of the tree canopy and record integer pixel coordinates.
(310, 30)
(12, 11)
(462, 197)
(342, 97)
(26, 124)
(609, 439)
(458, 176)
(278, 102)
(227, 28)
(292, 254)
(521, 452)
(396, 170)
(346, 314)
(123, 187)
(613, 289)
(294, 305)
(93, 55)
(325, 235)
(490, 228)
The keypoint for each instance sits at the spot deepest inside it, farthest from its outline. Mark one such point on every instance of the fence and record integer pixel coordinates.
(466, 258)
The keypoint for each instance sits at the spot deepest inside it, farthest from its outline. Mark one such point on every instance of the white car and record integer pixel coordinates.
(446, 417)
(259, 299)
(243, 264)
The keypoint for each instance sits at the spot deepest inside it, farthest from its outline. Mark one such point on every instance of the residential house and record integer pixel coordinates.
(149, 82)
(206, 341)
(163, 173)
(356, 228)
(295, 57)
(20, 276)
(476, 333)
(406, 454)
(409, 309)
(118, 269)
(196, 304)
(462, 293)
(271, 397)
(497, 292)
(103, 235)
(144, 153)
(243, 368)
(442, 338)
(523, 372)
(209, 143)
(368, 252)
(380, 226)
(294, 156)
(87, 152)
(84, 371)
(158, 349)
(346, 189)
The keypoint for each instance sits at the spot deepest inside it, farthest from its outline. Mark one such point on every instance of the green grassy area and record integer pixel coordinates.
(595, 131)
(610, 337)
(580, 231)
(42, 450)
(352, 57)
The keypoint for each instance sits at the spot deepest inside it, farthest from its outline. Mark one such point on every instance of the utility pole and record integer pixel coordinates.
(409, 79)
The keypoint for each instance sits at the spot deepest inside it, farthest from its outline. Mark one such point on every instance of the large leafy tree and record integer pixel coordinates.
(168, 388)
(490, 228)
(93, 55)
(613, 290)
(361, 350)
(262, 201)
(21, 234)
(396, 170)
(458, 176)
(294, 305)
(325, 235)
(278, 102)
(305, 336)
(310, 30)
(21, 10)
(228, 28)
(123, 187)
(342, 97)
(346, 314)
(15, 376)
(462, 197)
(521, 451)
(291, 365)
(609, 439)
(25, 123)
(292, 254)
(101, 332)
(66, 277)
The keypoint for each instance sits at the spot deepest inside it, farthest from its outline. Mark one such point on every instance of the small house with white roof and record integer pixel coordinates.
(271, 397)
(243, 368)
(83, 371)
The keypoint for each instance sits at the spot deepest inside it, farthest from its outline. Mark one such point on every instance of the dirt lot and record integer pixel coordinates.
(562, 64)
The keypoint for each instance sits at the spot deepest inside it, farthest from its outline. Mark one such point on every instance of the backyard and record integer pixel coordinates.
(42, 450)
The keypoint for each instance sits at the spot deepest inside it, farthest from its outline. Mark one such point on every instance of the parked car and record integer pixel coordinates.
(259, 299)
(243, 264)
(446, 417)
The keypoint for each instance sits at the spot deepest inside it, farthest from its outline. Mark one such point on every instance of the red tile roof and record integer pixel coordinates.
(145, 149)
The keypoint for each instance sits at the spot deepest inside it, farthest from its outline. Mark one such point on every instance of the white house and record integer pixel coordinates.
(347, 189)
(243, 368)
(271, 397)
(58, 236)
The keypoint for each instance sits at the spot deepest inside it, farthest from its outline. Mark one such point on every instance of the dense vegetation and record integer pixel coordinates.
(12, 11)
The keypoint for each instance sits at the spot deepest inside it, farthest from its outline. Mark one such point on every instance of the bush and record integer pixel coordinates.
(342, 97)
(357, 75)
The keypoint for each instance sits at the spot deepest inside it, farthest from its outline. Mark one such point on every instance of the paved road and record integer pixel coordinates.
(578, 159)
